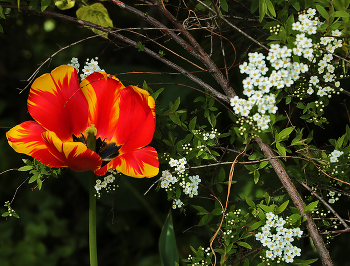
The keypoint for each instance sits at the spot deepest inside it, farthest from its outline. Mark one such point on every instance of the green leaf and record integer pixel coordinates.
(322, 11)
(266, 208)
(297, 141)
(262, 9)
(341, 13)
(33, 4)
(167, 243)
(192, 124)
(175, 119)
(284, 134)
(200, 209)
(2, 15)
(339, 142)
(156, 94)
(250, 202)
(267, 198)
(271, 8)
(224, 5)
(256, 176)
(294, 218)
(222, 174)
(167, 142)
(244, 244)
(282, 207)
(256, 225)
(281, 149)
(288, 99)
(97, 14)
(25, 168)
(263, 164)
(217, 211)
(206, 219)
(175, 106)
(64, 4)
(34, 178)
(310, 207)
(303, 262)
(140, 46)
(44, 4)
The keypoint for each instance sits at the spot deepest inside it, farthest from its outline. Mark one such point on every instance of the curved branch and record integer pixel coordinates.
(298, 202)
(131, 42)
(213, 69)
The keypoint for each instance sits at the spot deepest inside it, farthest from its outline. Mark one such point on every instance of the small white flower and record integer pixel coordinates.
(173, 162)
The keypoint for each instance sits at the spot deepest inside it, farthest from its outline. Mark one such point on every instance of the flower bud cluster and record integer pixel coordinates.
(278, 239)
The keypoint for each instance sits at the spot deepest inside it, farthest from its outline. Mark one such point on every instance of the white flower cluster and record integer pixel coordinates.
(333, 197)
(284, 72)
(335, 155)
(89, 68)
(167, 179)
(178, 164)
(189, 184)
(103, 184)
(177, 203)
(278, 239)
(191, 188)
(75, 63)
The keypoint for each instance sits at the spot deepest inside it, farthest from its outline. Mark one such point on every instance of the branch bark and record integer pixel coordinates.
(298, 202)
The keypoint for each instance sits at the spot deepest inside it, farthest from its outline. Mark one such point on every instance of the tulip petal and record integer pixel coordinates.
(75, 155)
(27, 138)
(136, 124)
(138, 163)
(57, 103)
(102, 92)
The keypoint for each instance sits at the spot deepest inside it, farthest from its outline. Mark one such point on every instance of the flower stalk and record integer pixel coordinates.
(92, 221)
(91, 144)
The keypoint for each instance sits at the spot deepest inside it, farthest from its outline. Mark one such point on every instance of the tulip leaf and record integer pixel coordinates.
(97, 14)
(167, 243)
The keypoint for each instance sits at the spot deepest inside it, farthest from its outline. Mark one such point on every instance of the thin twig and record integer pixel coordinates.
(323, 201)
(211, 66)
(233, 26)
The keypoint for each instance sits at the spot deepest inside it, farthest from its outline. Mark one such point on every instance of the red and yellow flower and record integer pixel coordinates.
(123, 119)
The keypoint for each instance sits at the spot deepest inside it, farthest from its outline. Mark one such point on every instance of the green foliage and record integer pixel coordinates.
(167, 243)
(140, 46)
(97, 14)
(39, 171)
(64, 4)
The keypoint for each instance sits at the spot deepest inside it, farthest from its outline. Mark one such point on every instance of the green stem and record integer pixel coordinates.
(92, 221)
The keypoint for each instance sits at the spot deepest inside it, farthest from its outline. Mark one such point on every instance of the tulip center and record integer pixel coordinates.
(107, 151)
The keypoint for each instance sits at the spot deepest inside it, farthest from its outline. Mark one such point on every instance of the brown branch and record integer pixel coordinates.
(213, 69)
(131, 42)
(298, 202)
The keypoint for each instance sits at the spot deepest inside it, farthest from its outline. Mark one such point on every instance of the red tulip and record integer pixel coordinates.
(63, 110)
